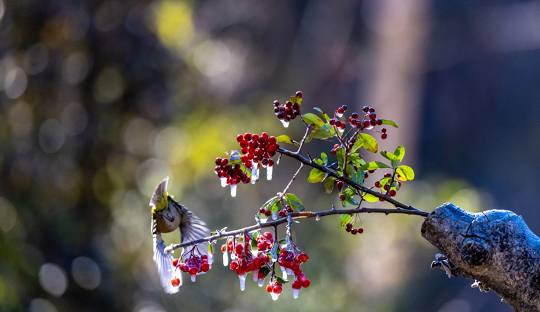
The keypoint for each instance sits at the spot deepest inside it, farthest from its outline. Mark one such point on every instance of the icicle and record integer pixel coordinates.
(269, 172)
(233, 256)
(274, 296)
(233, 190)
(193, 278)
(274, 215)
(210, 255)
(256, 276)
(263, 220)
(284, 274)
(317, 218)
(339, 115)
(242, 279)
(295, 293)
(284, 123)
(260, 282)
(340, 130)
(254, 172)
(223, 182)
(225, 258)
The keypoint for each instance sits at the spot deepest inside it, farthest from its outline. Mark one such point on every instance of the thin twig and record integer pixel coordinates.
(291, 180)
(308, 129)
(350, 182)
(296, 216)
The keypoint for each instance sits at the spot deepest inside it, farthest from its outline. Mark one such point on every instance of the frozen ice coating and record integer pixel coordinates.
(225, 258)
(284, 123)
(193, 278)
(260, 282)
(254, 172)
(269, 170)
(274, 215)
(233, 190)
(256, 276)
(223, 182)
(317, 218)
(242, 279)
(295, 293)
(274, 296)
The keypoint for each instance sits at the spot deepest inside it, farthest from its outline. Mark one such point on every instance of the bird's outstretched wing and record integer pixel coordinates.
(192, 228)
(163, 262)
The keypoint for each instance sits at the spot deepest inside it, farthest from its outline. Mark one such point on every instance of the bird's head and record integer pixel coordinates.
(159, 200)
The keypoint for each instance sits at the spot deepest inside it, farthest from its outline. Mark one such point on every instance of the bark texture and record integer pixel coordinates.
(495, 247)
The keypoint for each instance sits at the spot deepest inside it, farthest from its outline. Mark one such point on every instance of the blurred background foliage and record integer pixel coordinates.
(101, 99)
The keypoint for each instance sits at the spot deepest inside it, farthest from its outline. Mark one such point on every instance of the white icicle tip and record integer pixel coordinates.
(242, 279)
(193, 278)
(225, 259)
(284, 123)
(274, 215)
(274, 296)
(223, 182)
(295, 293)
(269, 170)
(233, 190)
(260, 282)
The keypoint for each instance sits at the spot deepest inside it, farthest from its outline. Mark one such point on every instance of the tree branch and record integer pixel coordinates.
(296, 216)
(350, 182)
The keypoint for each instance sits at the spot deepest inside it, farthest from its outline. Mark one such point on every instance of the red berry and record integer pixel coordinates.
(365, 109)
(342, 197)
(297, 284)
(384, 136)
(277, 289)
(392, 193)
(193, 271)
(360, 230)
(205, 267)
(305, 283)
(299, 94)
(175, 282)
(269, 288)
(354, 231)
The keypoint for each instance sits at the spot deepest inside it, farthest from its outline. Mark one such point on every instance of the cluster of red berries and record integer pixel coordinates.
(290, 261)
(388, 186)
(244, 261)
(230, 173)
(192, 265)
(274, 288)
(289, 110)
(340, 125)
(257, 149)
(265, 241)
(350, 229)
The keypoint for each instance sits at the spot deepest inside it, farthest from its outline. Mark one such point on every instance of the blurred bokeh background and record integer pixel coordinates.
(101, 99)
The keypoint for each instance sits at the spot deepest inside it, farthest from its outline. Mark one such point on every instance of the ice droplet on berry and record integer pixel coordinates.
(242, 279)
(260, 282)
(274, 296)
(233, 190)
(223, 182)
(269, 170)
(284, 123)
(317, 218)
(225, 259)
(274, 215)
(295, 293)
(339, 115)
(193, 278)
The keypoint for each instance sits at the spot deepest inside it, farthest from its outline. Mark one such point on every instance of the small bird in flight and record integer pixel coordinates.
(167, 216)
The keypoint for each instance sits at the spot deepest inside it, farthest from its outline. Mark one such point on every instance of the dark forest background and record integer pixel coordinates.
(99, 100)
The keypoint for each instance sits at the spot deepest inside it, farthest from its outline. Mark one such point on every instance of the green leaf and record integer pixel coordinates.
(293, 201)
(329, 184)
(324, 132)
(405, 173)
(315, 176)
(284, 139)
(356, 175)
(356, 160)
(344, 219)
(368, 142)
(389, 122)
(389, 156)
(320, 111)
(399, 153)
(281, 280)
(324, 159)
(370, 198)
(340, 154)
(313, 120)
(373, 165)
